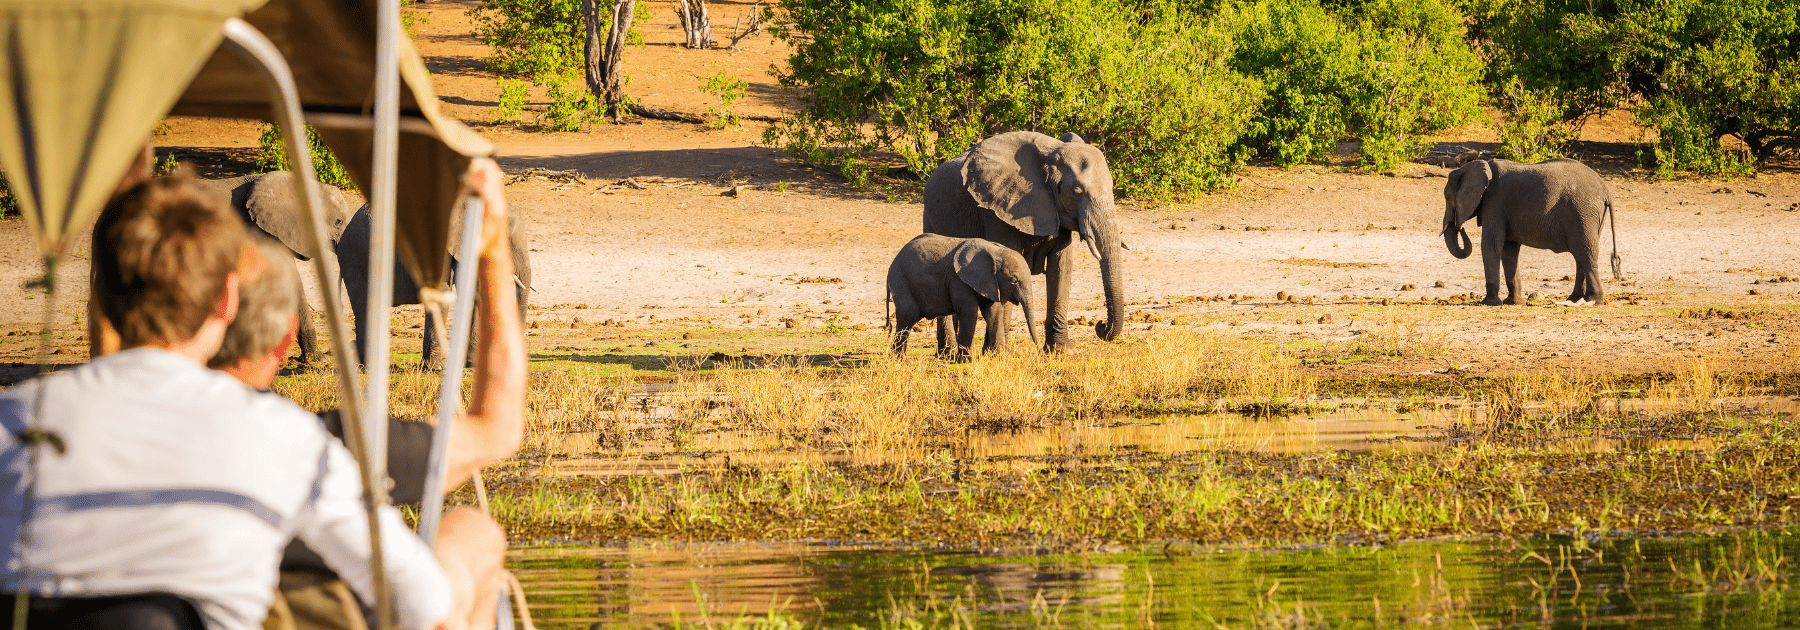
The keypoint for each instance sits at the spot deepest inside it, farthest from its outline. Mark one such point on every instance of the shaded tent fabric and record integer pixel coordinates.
(331, 46)
(82, 83)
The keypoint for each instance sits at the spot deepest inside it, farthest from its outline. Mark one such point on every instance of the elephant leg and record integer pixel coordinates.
(946, 333)
(437, 339)
(1587, 277)
(993, 313)
(1492, 253)
(1059, 272)
(906, 315)
(965, 329)
(996, 315)
(1509, 263)
(308, 339)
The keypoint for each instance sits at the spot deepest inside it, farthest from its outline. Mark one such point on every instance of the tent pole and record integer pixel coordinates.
(259, 53)
(381, 249)
(462, 315)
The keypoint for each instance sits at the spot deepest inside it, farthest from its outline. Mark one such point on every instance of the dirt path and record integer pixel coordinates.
(799, 241)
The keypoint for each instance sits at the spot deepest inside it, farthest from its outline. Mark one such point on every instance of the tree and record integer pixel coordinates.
(695, 22)
(604, 60)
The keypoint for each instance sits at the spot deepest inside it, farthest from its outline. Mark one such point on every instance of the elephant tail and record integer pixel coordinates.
(1613, 219)
(887, 310)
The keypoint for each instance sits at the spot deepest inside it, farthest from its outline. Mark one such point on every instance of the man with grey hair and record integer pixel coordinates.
(471, 547)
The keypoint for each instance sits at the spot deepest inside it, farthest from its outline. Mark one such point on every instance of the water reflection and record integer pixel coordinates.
(1731, 580)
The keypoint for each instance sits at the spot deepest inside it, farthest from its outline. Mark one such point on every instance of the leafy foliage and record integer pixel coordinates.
(8, 204)
(1694, 71)
(572, 105)
(1534, 129)
(533, 38)
(273, 157)
(513, 95)
(729, 90)
(930, 79)
(1385, 72)
(1177, 93)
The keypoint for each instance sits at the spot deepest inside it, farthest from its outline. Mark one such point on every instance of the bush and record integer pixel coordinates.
(1178, 93)
(1693, 71)
(1534, 129)
(273, 157)
(572, 106)
(514, 93)
(536, 38)
(8, 204)
(922, 81)
(729, 90)
(1385, 72)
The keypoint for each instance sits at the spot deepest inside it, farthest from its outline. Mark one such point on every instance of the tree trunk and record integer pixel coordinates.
(695, 22)
(603, 61)
(592, 48)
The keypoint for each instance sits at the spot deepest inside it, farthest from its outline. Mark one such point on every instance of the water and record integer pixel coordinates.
(1735, 580)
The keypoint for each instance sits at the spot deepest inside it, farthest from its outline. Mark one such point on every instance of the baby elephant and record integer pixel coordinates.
(936, 276)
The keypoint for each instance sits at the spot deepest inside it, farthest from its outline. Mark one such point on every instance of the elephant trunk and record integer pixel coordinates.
(1107, 241)
(1459, 250)
(1030, 321)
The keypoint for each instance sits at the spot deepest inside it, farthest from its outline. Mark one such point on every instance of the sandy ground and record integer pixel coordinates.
(802, 244)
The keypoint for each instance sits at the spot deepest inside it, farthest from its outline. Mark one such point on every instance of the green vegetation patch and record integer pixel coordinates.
(1201, 497)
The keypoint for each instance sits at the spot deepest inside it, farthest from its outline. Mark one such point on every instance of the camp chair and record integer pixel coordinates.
(82, 83)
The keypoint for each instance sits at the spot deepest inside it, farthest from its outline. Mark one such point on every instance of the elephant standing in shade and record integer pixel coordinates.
(960, 278)
(1033, 194)
(268, 204)
(1557, 205)
(353, 259)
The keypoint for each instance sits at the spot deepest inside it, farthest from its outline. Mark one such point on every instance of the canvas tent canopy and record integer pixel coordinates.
(85, 81)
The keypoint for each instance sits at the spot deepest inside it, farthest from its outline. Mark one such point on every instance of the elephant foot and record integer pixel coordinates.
(1492, 300)
(1514, 300)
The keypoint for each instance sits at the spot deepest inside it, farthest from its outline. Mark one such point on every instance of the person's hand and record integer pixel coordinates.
(486, 180)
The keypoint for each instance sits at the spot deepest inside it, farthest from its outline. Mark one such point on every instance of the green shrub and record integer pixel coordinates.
(272, 156)
(514, 93)
(1385, 72)
(532, 38)
(8, 204)
(572, 106)
(1534, 129)
(729, 90)
(1692, 71)
(922, 81)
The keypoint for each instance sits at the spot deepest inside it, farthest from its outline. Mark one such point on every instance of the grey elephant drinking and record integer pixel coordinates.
(267, 203)
(960, 278)
(1033, 194)
(353, 259)
(1558, 205)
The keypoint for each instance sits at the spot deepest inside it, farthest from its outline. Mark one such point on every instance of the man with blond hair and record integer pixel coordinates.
(471, 547)
(146, 490)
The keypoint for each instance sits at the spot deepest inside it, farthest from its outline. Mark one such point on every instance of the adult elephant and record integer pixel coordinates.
(1033, 194)
(353, 263)
(1558, 205)
(267, 203)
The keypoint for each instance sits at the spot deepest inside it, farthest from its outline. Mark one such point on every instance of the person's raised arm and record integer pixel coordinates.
(495, 423)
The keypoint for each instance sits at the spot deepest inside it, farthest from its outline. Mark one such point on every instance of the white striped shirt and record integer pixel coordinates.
(179, 479)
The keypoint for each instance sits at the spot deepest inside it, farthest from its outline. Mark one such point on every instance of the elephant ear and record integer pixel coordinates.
(272, 206)
(1475, 177)
(974, 265)
(1008, 175)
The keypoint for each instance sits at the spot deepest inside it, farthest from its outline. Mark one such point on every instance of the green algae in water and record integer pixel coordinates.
(1727, 580)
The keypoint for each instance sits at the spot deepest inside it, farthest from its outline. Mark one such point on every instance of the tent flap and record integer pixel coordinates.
(82, 83)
